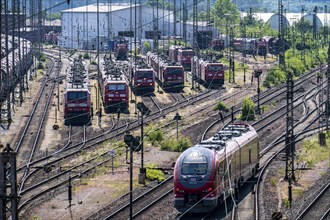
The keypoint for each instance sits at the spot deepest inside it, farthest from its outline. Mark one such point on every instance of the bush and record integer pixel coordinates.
(146, 46)
(94, 62)
(156, 136)
(86, 56)
(175, 145)
(40, 66)
(154, 174)
(42, 57)
(248, 112)
(221, 106)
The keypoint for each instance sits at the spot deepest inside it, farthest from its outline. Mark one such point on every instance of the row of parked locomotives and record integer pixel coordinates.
(77, 95)
(208, 71)
(114, 87)
(181, 55)
(209, 172)
(16, 60)
(169, 75)
(142, 78)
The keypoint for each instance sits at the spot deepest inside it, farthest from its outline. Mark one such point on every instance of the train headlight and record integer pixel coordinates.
(207, 190)
(178, 190)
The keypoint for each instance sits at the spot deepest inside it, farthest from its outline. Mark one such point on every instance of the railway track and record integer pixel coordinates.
(140, 203)
(41, 106)
(124, 129)
(319, 207)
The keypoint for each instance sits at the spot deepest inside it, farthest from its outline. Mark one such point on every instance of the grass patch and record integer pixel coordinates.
(297, 192)
(312, 153)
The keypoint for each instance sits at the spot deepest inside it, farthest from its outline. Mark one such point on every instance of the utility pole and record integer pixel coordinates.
(327, 112)
(281, 33)
(231, 56)
(8, 184)
(174, 18)
(289, 136)
(315, 23)
(303, 32)
(195, 44)
(185, 18)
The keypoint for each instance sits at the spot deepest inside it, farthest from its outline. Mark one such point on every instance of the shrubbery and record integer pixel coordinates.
(248, 112)
(40, 66)
(86, 56)
(175, 145)
(154, 174)
(42, 57)
(156, 136)
(221, 106)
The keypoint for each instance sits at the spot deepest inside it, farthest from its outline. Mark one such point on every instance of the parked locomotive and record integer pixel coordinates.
(169, 75)
(114, 88)
(143, 78)
(77, 96)
(209, 172)
(217, 44)
(184, 57)
(121, 49)
(212, 73)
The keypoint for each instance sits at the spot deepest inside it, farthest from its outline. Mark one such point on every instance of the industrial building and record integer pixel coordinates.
(79, 25)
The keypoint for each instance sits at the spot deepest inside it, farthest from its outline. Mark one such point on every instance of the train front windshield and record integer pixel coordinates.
(116, 87)
(194, 165)
(144, 74)
(215, 68)
(174, 71)
(77, 96)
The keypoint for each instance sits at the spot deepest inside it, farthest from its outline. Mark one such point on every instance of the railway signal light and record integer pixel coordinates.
(257, 73)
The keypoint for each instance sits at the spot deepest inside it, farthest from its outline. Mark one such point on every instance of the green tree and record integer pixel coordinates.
(146, 46)
(223, 11)
(248, 112)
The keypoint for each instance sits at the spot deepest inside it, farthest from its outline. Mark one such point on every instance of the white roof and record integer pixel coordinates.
(103, 7)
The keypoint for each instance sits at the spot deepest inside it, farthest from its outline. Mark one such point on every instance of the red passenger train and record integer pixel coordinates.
(77, 96)
(209, 172)
(114, 88)
(169, 75)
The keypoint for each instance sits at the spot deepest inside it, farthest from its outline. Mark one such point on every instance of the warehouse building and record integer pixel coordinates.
(79, 25)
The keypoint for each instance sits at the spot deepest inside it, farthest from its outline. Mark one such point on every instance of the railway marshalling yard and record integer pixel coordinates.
(94, 190)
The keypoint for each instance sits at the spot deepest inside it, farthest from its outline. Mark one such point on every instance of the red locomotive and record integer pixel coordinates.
(114, 88)
(184, 57)
(143, 79)
(209, 172)
(218, 44)
(121, 49)
(212, 73)
(77, 100)
(169, 75)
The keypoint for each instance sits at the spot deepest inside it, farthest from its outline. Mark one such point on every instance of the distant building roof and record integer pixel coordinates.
(103, 7)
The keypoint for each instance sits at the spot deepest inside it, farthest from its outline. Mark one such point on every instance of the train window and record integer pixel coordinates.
(117, 87)
(174, 71)
(215, 68)
(194, 169)
(194, 165)
(145, 74)
(74, 96)
(249, 156)
(187, 53)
